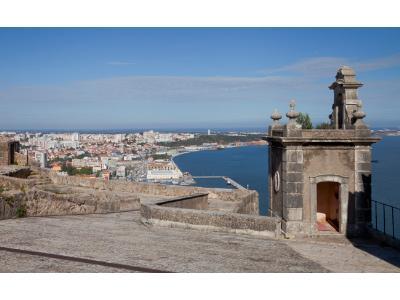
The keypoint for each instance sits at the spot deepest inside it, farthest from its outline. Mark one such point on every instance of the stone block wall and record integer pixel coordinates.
(292, 187)
(362, 189)
(4, 153)
(275, 165)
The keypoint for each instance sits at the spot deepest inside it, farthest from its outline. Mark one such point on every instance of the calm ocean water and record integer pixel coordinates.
(248, 166)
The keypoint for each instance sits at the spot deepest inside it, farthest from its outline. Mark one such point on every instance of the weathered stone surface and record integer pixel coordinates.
(294, 200)
(49, 194)
(152, 189)
(293, 187)
(222, 220)
(42, 202)
(122, 238)
(198, 201)
(365, 167)
(293, 214)
(294, 167)
(294, 177)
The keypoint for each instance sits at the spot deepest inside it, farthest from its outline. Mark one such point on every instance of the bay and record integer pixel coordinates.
(249, 166)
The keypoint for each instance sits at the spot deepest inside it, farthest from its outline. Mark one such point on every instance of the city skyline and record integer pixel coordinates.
(188, 78)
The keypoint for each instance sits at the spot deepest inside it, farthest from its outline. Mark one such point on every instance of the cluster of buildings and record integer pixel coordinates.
(143, 156)
(131, 156)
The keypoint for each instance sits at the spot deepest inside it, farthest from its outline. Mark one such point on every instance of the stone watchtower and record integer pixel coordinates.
(7, 151)
(320, 179)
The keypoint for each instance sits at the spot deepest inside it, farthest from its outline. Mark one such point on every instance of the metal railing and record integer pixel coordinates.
(386, 219)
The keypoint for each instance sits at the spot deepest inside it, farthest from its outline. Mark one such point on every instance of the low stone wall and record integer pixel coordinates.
(210, 220)
(245, 201)
(44, 203)
(249, 204)
(12, 204)
(21, 197)
(198, 201)
(15, 182)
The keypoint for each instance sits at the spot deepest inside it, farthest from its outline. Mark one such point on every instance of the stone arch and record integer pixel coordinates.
(343, 199)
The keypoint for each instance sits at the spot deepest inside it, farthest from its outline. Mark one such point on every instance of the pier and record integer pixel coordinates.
(227, 179)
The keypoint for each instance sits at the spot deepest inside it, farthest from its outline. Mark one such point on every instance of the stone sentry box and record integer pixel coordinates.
(321, 178)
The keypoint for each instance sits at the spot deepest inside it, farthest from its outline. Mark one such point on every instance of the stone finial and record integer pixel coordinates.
(359, 115)
(276, 116)
(292, 127)
(292, 114)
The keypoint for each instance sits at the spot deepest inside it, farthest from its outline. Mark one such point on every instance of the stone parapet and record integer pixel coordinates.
(160, 214)
(56, 201)
(244, 201)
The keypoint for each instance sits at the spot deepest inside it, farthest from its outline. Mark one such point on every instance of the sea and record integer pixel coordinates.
(248, 166)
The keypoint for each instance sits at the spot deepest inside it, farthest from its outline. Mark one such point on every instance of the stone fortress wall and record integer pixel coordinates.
(229, 195)
(29, 191)
(24, 192)
(3, 153)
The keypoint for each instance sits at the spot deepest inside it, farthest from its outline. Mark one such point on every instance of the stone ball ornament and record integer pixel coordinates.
(276, 116)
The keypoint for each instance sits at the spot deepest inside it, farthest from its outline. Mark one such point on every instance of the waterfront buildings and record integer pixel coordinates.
(163, 170)
(125, 156)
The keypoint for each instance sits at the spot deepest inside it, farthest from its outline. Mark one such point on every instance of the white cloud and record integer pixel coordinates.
(326, 66)
(378, 63)
(155, 88)
(313, 66)
(194, 98)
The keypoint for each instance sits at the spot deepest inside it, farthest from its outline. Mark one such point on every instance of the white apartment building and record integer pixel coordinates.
(164, 137)
(163, 170)
(75, 136)
(86, 162)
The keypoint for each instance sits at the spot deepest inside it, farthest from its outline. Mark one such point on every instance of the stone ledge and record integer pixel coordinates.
(206, 219)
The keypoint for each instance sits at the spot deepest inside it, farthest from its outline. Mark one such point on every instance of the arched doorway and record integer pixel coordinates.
(328, 206)
(329, 196)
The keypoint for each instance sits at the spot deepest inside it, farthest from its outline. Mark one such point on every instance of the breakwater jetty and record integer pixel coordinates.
(227, 179)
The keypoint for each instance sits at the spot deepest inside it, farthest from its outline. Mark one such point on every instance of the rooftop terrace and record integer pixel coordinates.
(120, 242)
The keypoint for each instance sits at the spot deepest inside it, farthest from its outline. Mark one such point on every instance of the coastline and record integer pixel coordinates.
(215, 149)
(188, 152)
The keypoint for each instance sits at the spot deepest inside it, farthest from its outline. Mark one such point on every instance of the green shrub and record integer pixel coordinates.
(324, 125)
(21, 211)
(305, 121)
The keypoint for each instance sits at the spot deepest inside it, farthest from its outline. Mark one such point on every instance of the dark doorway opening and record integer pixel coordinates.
(328, 206)
(11, 155)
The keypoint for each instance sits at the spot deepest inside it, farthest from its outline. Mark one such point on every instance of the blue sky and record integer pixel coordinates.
(186, 78)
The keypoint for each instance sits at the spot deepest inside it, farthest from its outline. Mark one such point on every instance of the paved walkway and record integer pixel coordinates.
(121, 243)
